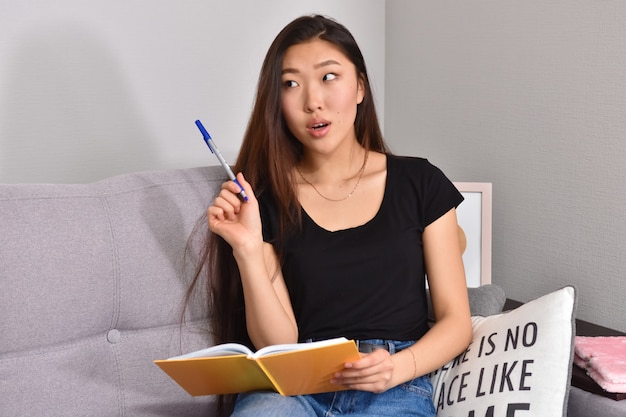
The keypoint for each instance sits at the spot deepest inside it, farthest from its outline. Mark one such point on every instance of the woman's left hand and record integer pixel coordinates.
(372, 372)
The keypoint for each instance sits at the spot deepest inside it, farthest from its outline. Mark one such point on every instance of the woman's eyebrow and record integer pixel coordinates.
(316, 66)
(326, 63)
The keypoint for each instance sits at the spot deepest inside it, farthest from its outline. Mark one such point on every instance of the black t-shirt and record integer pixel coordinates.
(366, 282)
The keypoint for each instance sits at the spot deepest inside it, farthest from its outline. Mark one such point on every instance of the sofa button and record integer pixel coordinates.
(114, 336)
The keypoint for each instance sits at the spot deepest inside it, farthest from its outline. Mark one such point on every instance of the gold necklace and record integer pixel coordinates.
(361, 171)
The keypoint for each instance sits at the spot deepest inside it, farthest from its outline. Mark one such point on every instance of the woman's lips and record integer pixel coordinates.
(318, 128)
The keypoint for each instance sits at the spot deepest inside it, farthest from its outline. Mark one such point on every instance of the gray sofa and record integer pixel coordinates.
(92, 281)
(91, 288)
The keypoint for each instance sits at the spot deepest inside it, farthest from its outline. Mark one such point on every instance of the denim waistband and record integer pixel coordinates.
(392, 346)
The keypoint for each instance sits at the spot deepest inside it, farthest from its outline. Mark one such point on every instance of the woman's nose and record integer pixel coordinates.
(313, 99)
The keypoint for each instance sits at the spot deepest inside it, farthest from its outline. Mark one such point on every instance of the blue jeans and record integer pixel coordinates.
(413, 398)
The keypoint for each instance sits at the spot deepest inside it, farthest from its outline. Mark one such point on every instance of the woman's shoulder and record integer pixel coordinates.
(380, 162)
(416, 170)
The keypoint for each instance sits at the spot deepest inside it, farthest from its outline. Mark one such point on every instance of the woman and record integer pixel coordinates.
(337, 236)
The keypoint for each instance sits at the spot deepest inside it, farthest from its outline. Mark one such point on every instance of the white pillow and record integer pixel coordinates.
(518, 364)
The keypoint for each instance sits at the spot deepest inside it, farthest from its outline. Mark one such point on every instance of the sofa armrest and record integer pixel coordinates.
(485, 300)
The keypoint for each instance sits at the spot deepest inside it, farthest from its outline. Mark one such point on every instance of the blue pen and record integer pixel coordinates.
(211, 144)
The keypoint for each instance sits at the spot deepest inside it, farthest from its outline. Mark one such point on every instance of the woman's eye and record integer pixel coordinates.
(290, 83)
(330, 76)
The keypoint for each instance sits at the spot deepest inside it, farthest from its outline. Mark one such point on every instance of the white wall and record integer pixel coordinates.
(98, 88)
(529, 95)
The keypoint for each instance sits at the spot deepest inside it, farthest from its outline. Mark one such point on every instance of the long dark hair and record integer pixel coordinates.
(269, 151)
(267, 157)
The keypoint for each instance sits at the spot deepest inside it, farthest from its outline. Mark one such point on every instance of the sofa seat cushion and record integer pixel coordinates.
(109, 374)
(585, 404)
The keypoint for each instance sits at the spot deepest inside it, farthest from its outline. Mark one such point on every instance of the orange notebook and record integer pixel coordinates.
(290, 369)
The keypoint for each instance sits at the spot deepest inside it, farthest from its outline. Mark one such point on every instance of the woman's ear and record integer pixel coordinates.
(360, 92)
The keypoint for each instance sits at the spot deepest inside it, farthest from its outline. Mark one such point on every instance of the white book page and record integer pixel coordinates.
(219, 350)
(288, 347)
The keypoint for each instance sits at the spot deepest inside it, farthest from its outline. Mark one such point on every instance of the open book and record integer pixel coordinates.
(290, 369)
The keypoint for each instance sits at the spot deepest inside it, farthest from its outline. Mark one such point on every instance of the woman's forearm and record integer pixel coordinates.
(269, 316)
(448, 338)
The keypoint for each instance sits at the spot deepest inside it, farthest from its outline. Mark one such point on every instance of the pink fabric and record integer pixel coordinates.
(604, 359)
(579, 361)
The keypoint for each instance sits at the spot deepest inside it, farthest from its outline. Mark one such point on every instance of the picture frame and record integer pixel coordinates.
(474, 216)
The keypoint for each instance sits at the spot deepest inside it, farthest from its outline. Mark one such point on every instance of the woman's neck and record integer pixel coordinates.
(341, 165)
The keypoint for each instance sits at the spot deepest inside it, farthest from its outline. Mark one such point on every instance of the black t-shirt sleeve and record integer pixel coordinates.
(443, 195)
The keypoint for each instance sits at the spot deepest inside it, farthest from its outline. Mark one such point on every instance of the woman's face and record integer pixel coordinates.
(320, 95)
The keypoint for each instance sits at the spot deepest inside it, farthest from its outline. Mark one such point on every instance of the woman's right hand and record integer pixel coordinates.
(237, 222)
(269, 316)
